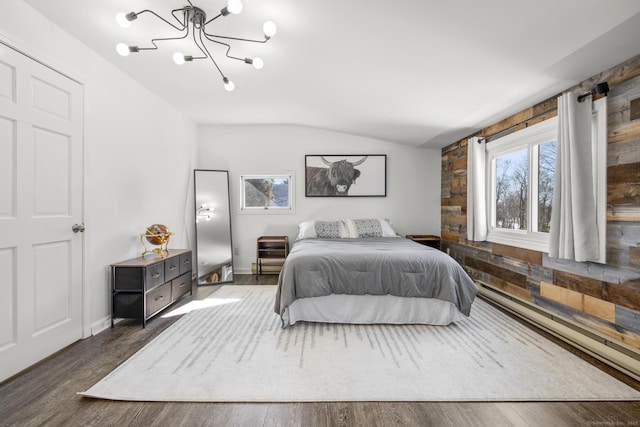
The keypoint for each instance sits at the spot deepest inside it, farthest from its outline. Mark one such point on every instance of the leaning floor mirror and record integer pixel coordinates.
(214, 250)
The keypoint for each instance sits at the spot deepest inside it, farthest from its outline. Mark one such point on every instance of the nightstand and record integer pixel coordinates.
(270, 248)
(425, 239)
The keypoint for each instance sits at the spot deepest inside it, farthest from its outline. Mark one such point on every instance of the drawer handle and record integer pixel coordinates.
(153, 276)
(173, 267)
(158, 298)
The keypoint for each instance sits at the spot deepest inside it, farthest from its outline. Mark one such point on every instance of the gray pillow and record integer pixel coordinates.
(328, 229)
(368, 227)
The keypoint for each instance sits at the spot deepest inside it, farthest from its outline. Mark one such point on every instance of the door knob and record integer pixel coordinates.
(78, 228)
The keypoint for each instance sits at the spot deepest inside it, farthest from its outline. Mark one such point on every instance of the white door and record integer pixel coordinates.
(41, 124)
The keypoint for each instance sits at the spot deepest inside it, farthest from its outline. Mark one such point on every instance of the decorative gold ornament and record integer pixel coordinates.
(156, 234)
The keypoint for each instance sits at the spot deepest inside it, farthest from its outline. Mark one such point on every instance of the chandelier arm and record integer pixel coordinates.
(200, 46)
(212, 19)
(210, 37)
(182, 21)
(153, 42)
(161, 18)
(161, 39)
(204, 50)
(222, 43)
(228, 50)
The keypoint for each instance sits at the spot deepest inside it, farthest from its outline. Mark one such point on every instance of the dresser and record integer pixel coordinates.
(143, 287)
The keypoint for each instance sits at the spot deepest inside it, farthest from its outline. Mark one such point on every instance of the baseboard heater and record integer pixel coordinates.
(618, 356)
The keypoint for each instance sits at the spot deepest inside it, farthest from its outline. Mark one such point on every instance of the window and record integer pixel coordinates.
(520, 173)
(266, 193)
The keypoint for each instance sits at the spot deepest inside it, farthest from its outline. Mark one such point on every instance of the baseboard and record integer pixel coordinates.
(101, 325)
(616, 355)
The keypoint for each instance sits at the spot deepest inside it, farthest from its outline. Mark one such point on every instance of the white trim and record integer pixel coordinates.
(525, 139)
(101, 325)
(529, 136)
(520, 239)
(42, 58)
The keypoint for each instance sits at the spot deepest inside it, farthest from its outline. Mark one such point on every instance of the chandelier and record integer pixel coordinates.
(192, 20)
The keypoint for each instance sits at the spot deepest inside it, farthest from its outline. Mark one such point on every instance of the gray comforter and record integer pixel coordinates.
(374, 266)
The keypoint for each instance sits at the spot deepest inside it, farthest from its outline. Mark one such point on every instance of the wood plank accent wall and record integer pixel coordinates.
(604, 297)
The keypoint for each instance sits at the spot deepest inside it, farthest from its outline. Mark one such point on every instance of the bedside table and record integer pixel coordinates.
(425, 239)
(270, 248)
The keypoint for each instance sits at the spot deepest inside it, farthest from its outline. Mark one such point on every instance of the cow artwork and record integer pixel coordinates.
(334, 180)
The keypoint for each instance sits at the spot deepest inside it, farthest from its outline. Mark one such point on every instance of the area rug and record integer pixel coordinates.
(232, 348)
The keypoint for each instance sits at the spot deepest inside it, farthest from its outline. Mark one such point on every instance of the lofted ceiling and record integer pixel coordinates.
(416, 72)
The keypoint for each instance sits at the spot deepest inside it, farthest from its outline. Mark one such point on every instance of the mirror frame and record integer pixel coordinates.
(224, 209)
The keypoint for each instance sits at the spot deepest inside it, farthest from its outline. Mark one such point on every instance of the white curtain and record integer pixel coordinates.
(574, 229)
(476, 190)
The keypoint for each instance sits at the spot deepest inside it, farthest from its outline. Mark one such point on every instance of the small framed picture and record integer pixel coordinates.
(266, 193)
(346, 175)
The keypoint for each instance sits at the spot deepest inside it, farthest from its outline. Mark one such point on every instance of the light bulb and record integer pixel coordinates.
(258, 63)
(269, 29)
(121, 19)
(178, 58)
(228, 84)
(123, 49)
(234, 6)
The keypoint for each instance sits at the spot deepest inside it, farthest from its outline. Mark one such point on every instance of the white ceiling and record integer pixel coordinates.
(415, 72)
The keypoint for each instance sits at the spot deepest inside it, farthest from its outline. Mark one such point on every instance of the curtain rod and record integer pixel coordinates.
(600, 88)
(519, 123)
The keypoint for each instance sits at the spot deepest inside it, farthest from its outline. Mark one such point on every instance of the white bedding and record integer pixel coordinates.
(366, 309)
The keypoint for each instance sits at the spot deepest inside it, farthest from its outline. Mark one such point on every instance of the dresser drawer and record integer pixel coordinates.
(185, 263)
(128, 305)
(180, 286)
(171, 268)
(128, 279)
(155, 275)
(158, 298)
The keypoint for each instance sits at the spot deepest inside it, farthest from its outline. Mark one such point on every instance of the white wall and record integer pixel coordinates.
(139, 154)
(413, 180)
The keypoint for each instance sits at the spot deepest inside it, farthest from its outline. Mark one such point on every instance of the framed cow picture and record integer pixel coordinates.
(340, 175)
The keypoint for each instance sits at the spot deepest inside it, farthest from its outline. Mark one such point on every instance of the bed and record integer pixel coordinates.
(362, 271)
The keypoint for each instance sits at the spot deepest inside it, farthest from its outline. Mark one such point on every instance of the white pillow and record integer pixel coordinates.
(387, 229)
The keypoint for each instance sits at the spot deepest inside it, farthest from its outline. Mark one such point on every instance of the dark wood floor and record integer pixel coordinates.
(45, 395)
